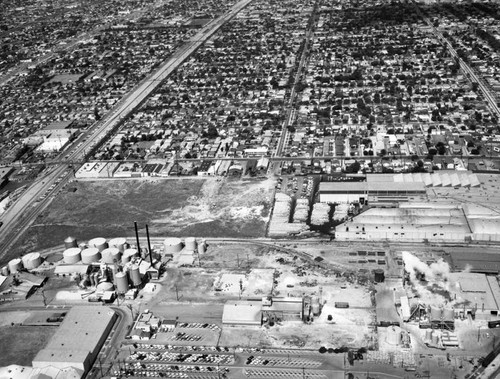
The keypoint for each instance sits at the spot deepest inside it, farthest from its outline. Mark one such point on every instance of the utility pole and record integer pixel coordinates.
(44, 298)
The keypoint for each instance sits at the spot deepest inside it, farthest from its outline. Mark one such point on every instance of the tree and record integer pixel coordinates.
(212, 132)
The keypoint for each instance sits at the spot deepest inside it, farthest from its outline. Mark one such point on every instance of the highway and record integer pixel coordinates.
(21, 215)
(291, 112)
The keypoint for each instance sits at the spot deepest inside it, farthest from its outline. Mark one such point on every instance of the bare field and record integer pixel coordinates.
(212, 207)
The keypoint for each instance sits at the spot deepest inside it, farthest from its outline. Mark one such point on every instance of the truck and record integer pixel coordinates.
(341, 304)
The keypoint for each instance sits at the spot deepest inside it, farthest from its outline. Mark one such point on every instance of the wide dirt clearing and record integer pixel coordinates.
(213, 207)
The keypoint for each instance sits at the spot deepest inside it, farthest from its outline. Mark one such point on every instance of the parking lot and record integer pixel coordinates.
(298, 187)
(286, 374)
(282, 361)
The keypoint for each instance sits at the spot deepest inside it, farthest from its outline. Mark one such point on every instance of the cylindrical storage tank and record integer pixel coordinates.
(135, 275)
(119, 243)
(128, 254)
(172, 245)
(105, 286)
(379, 275)
(15, 265)
(201, 248)
(190, 243)
(113, 273)
(72, 255)
(436, 313)
(394, 335)
(121, 282)
(448, 314)
(316, 310)
(99, 243)
(32, 260)
(90, 255)
(70, 242)
(428, 334)
(5, 271)
(111, 255)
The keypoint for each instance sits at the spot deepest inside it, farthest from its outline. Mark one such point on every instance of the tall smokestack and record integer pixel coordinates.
(149, 245)
(137, 238)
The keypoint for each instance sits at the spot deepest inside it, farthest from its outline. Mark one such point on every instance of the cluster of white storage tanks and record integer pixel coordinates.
(99, 243)
(96, 250)
(29, 261)
(174, 245)
(72, 255)
(111, 255)
(107, 253)
(129, 275)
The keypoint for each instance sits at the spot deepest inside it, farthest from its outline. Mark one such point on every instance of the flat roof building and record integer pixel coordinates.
(406, 224)
(476, 293)
(242, 313)
(78, 339)
(380, 192)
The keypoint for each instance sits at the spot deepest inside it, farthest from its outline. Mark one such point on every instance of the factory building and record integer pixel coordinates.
(383, 193)
(441, 178)
(409, 222)
(97, 170)
(78, 339)
(478, 294)
(255, 312)
(243, 312)
(145, 325)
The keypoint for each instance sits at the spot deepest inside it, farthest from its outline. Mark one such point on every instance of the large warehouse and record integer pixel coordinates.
(78, 339)
(383, 192)
(409, 222)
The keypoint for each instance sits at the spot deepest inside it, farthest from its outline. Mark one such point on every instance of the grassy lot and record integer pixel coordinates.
(182, 207)
(24, 343)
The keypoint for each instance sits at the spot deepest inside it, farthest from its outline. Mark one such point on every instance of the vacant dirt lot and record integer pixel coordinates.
(213, 207)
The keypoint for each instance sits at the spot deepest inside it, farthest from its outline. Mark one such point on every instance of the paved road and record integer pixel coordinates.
(291, 112)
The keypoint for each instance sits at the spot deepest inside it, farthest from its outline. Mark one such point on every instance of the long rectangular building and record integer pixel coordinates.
(78, 339)
(381, 192)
